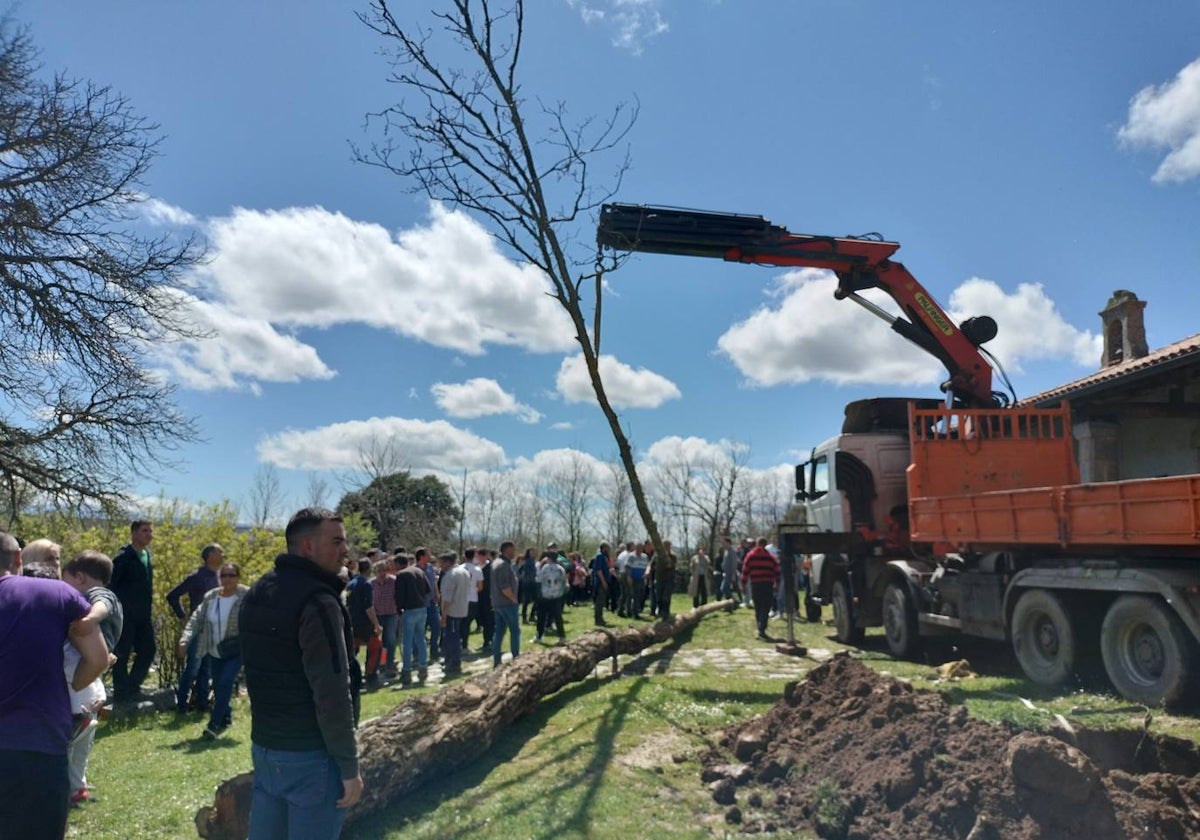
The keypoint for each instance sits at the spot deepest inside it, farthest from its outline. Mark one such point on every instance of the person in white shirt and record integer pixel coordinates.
(473, 596)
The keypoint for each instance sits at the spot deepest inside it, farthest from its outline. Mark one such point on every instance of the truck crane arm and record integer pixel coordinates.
(860, 263)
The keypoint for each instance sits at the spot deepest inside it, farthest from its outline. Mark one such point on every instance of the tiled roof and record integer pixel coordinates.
(1112, 376)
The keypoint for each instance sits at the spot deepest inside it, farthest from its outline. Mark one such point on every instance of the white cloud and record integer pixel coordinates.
(444, 283)
(547, 462)
(692, 450)
(158, 212)
(1168, 117)
(563, 426)
(422, 446)
(809, 335)
(235, 352)
(626, 386)
(481, 397)
(633, 22)
(1030, 325)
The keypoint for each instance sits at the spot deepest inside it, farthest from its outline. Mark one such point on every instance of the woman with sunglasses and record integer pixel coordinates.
(216, 621)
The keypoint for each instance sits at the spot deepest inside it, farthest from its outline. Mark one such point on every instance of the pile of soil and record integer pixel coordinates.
(851, 754)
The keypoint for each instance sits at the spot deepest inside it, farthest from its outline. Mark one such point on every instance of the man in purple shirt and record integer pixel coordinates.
(36, 617)
(195, 669)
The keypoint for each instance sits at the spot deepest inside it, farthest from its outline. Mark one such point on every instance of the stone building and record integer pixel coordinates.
(1138, 416)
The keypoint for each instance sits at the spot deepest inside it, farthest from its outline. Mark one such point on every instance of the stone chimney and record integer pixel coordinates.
(1124, 329)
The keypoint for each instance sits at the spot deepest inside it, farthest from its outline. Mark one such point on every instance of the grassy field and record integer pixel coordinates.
(600, 759)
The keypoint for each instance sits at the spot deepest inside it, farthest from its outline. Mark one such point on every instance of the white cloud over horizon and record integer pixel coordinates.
(626, 386)
(444, 283)
(809, 335)
(419, 445)
(481, 397)
(1167, 116)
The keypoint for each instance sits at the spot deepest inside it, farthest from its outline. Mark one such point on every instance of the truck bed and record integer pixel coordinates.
(989, 479)
(1151, 512)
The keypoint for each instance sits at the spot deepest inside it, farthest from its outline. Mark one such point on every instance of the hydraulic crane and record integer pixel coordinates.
(860, 263)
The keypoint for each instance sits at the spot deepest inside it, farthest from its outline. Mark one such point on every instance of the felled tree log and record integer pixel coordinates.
(432, 735)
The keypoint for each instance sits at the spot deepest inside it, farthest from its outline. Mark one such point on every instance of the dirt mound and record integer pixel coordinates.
(851, 754)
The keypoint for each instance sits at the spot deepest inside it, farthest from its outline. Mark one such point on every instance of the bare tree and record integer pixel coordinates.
(317, 491)
(265, 496)
(476, 142)
(377, 459)
(701, 488)
(82, 294)
(567, 491)
(620, 511)
(462, 497)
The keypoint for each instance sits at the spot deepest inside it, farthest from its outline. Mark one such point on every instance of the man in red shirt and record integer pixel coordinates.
(761, 569)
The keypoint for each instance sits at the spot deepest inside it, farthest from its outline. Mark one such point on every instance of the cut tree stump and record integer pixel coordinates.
(432, 735)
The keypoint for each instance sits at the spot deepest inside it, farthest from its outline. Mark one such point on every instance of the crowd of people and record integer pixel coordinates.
(294, 639)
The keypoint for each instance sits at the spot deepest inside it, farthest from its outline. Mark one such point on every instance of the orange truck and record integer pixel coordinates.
(966, 514)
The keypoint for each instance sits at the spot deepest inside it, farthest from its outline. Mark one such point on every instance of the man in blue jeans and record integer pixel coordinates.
(504, 603)
(433, 611)
(412, 590)
(303, 685)
(195, 586)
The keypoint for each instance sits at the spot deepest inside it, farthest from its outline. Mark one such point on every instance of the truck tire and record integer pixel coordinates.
(900, 621)
(845, 629)
(1044, 638)
(1147, 653)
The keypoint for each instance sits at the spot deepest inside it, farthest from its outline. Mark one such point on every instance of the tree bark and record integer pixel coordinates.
(433, 735)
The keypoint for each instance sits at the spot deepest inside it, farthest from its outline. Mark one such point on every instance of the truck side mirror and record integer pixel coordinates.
(801, 489)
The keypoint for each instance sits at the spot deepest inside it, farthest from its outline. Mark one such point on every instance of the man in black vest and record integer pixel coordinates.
(303, 686)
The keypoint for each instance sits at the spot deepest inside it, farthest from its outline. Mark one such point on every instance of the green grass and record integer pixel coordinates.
(600, 759)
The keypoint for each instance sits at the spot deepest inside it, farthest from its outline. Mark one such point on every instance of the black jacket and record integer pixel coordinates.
(133, 584)
(303, 685)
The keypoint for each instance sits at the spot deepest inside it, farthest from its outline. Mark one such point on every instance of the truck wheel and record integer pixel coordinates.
(1146, 651)
(900, 621)
(843, 615)
(1043, 638)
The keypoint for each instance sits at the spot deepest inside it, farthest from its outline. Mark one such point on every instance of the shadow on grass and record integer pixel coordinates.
(198, 744)
(570, 799)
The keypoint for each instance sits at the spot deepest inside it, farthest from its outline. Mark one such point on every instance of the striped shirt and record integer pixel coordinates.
(759, 566)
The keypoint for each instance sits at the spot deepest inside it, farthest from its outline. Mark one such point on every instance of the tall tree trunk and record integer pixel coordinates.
(433, 735)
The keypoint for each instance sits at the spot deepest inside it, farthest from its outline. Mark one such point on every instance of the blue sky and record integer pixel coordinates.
(1029, 157)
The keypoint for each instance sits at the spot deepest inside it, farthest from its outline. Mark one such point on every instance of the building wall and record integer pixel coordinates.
(1151, 447)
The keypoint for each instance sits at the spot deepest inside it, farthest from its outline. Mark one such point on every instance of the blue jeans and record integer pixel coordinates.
(506, 617)
(413, 640)
(637, 598)
(195, 670)
(433, 621)
(224, 672)
(295, 795)
(391, 626)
